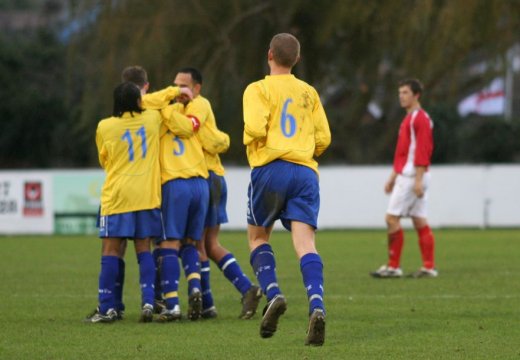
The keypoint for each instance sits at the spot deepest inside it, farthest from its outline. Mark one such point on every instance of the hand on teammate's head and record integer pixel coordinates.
(186, 91)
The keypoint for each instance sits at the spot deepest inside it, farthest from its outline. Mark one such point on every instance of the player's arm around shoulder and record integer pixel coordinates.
(256, 112)
(160, 99)
(178, 123)
(198, 109)
(322, 136)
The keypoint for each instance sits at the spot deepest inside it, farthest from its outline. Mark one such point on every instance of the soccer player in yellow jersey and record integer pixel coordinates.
(285, 127)
(213, 143)
(157, 100)
(185, 198)
(128, 148)
(185, 164)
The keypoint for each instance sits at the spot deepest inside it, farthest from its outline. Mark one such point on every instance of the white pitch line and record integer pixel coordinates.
(424, 297)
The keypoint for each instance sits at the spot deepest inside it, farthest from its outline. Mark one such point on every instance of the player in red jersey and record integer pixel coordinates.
(408, 184)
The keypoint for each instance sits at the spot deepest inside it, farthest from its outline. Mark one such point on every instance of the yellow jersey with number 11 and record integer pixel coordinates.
(128, 150)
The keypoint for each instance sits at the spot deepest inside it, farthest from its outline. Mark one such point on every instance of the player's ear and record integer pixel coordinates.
(146, 87)
(270, 55)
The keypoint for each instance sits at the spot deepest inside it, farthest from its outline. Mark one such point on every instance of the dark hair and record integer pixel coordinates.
(415, 85)
(135, 74)
(286, 49)
(196, 75)
(126, 96)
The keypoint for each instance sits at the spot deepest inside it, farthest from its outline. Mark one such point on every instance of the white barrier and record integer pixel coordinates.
(26, 202)
(351, 197)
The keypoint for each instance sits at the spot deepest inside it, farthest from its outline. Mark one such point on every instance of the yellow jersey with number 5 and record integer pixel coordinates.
(181, 154)
(284, 119)
(128, 151)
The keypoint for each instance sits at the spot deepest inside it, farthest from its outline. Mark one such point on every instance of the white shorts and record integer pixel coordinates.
(404, 202)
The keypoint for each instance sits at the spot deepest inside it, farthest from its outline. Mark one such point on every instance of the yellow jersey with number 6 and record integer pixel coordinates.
(284, 119)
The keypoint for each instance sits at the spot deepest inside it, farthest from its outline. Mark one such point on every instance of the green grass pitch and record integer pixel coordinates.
(472, 311)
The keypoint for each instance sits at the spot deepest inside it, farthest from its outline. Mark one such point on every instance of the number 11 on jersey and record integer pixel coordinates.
(127, 136)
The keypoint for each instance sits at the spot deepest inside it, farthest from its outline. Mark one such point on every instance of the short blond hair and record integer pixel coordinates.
(286, 49)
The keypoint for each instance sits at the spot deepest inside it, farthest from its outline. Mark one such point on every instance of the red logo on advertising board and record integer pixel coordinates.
(33, 199)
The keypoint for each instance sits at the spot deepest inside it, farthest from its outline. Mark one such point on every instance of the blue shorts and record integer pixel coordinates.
(217, 200)
(132, 225)
(285, 191)
(184, 207)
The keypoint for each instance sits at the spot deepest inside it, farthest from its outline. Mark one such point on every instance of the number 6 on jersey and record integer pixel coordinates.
(286, 117)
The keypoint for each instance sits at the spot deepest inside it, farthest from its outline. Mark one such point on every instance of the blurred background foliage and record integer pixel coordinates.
(59, 67)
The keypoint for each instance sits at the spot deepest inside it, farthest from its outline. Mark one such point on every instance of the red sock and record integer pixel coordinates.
(395, 246)
(427, 245)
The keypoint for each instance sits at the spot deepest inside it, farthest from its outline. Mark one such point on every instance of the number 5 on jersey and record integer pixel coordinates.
(127, 136)
(180, 144)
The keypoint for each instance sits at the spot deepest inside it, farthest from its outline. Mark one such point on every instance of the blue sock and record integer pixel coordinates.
(157, 285)
(264, 266)
(120, 281)
(191, 265)
(170, 273)
(312, 272)
(146, 277)
(207, 298)
(232, 271)
(107, 282)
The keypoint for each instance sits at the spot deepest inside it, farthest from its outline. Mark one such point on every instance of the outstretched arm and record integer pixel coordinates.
(160, 99)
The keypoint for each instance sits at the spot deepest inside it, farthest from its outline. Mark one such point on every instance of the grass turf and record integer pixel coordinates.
(471, 311)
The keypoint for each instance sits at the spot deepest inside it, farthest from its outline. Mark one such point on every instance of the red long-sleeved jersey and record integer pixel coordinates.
(414, 143)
